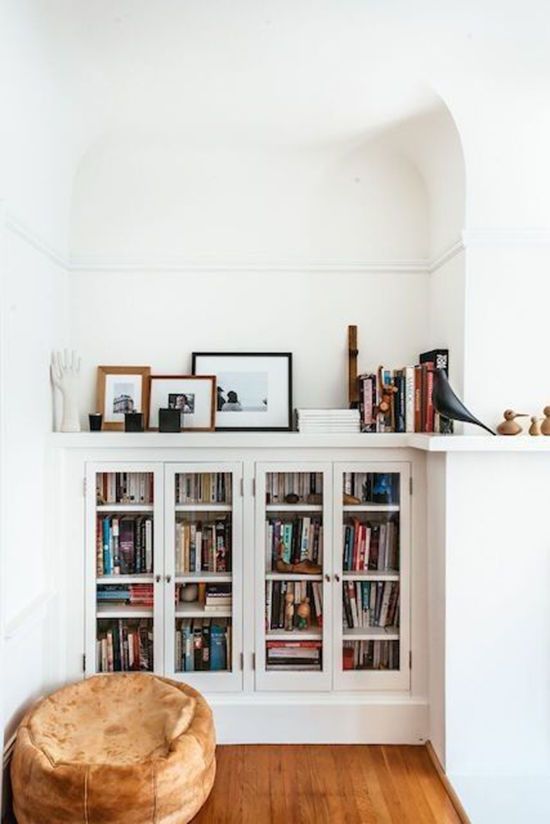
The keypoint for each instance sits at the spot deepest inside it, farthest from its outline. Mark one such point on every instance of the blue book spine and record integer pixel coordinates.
(217, 648)
(106, 546)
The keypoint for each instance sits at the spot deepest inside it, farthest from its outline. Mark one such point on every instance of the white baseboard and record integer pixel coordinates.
(321, 722)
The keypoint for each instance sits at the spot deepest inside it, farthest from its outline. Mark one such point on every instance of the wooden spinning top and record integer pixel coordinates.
(545, 428)
(509, 425)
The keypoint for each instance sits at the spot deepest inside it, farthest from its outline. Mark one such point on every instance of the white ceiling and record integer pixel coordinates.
(247, 71)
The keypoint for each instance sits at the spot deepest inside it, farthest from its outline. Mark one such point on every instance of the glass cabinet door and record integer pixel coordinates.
(293, 563)
(371, 576)
(124, 570)
(203, 636)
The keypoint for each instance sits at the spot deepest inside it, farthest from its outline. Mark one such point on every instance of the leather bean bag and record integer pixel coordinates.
(129, 748)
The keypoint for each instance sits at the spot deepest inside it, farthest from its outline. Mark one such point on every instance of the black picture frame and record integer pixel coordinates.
(287, 427)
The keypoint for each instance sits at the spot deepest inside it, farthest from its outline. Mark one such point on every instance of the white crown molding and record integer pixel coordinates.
(470, 238)
(439, 261)
(33, 239)
(398, 266)
(506, 236)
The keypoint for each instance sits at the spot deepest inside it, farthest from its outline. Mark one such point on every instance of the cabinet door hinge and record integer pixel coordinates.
(241, 658)
(410, 659)
(410, 485)
(84, 662)
(254, 487)
(253, 660)
(242, 487)
(84, 486)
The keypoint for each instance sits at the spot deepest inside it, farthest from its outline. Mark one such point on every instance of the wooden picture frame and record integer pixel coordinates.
(166, 391)
(106, 394)
(258, 394)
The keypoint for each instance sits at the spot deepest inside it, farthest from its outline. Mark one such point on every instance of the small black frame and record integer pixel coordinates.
(287, 355)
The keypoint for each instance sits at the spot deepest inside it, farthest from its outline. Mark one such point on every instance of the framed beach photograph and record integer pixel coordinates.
(122, 389)
(254, 389)
(193, 395)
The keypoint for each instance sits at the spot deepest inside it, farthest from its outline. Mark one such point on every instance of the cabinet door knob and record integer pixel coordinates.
(327, 577)
(337, 578)
(157, 578)
(168, 579)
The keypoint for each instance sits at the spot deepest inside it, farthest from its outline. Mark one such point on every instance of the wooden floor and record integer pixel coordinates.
(297, 784)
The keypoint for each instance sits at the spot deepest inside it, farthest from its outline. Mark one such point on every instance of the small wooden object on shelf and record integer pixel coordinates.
(305, 567)
(304, 614)
(351, 500)
(289, 611)
(534, 429)
(509, 426)
(545, 426)
(353, 384)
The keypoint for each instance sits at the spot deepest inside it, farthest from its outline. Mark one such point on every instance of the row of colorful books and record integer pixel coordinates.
(371, 545)
(124, 545)
(124, 645)
(410, 391)
(370, 604)
(203, 644)
(125, 488)
(370, 655)
(203, 546)
(276, 592)
(284, 656)
(307, 486)
(203, 488)
(131, 594)
(294, 539)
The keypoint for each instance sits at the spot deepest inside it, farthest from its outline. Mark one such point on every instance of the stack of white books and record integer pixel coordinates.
(316, 421)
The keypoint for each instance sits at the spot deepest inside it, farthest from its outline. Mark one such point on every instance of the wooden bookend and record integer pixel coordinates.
(353, 386)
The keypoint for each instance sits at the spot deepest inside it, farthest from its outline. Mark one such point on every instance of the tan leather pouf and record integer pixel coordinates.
(129, 748)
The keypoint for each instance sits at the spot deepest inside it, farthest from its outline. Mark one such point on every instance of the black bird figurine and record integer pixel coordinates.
(449, 405)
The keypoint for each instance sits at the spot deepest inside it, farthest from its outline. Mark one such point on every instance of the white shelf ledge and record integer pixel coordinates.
(284, 440)
(371, 634)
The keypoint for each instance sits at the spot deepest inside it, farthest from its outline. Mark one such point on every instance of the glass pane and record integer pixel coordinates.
(371, 488)
(125, 488)
(294, 571)
(371, 655)
(371, 561)
(124, 645)
(203, 644)
(204, 564)
(371, 542)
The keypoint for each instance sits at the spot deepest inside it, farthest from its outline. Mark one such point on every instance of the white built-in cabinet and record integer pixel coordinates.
(167, 547)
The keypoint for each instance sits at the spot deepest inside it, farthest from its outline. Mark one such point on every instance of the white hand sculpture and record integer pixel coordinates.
(65, 372)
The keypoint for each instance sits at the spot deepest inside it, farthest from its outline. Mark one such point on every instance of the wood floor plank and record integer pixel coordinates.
(329, 784)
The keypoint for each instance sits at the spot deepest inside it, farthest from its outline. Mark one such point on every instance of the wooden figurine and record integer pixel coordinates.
(387, 390)
(545, 428)
(289, 611)
(509, 425)
(350, 500)
(353, 384)
(304, 614)
(292, 498)
(534, 429)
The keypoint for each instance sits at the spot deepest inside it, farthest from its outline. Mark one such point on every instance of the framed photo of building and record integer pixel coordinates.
(193, 395)
(254, 389)
(122, 389)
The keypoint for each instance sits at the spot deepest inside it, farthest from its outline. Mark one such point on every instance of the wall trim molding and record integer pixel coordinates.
(505, 236)
(33, 239)
(449, 253)
(375, 267)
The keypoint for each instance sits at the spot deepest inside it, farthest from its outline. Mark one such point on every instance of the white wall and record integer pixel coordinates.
(160, 199)
(159, 318)
(34, 321)
(446, 310)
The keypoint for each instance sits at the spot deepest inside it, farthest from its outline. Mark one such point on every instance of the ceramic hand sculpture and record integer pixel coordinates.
(65, 373)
